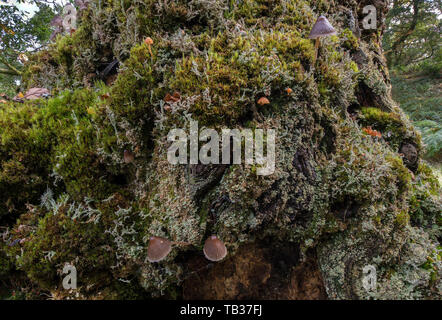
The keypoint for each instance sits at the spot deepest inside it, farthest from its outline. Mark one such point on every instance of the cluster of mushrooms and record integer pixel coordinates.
(214, 249)
(158, 249)
(321, 28)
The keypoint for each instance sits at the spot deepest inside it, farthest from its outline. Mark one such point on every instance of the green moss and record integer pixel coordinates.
(389, 124)
(349, 40)
(401, 173)
(403, 218)
(424, 201)
(334, 187)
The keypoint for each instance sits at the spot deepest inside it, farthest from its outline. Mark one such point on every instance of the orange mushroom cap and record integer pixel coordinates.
(148, 41)
(262, 101)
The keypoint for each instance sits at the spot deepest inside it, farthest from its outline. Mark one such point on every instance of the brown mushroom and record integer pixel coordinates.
(57, 21)
(36, 93)
(322, 28)
(214, 249)
(129, 157)
(82, 4)
(149, 42)
(175, 97)
(262, 101)
(158, 249)
(105, 96)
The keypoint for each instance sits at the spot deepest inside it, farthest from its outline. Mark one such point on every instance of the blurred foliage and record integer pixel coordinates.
(421, 99)
(412, 44)
(413, 34)
(21, 32)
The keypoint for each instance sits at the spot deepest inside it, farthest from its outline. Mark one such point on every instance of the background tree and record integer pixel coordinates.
(413, 32)
(412, 44)
(21, 32)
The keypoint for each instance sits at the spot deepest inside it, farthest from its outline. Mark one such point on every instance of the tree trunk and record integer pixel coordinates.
(342, 198)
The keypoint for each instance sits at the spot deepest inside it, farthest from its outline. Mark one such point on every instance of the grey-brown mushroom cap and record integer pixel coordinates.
(322, 28)
(35, 93)
(158, 249)
(128, 156)
(214, 249)
(56, 21)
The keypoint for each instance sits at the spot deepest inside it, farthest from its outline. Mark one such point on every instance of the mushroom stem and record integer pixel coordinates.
(317, 42)
(150, 50)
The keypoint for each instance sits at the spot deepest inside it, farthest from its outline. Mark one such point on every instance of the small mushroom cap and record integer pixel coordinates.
(158, 249)
(82, 4)
(214, 249)
(322, 28)
(148, 41)
(57, 21)
(128, 156)
(262, 101)
(35, 93)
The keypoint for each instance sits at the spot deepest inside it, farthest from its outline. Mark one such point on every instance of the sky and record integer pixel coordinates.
(26, 6)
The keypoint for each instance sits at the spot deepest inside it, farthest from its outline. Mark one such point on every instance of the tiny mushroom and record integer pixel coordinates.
(82, 4)
(36, 93)
(321, 28)
(158, 249)
(129, 157)
(172, 98)
(105, 96)
(149, 42)
(19, 97)
(57, 21)
(262, 101)
(214, 249)
(23, 58)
